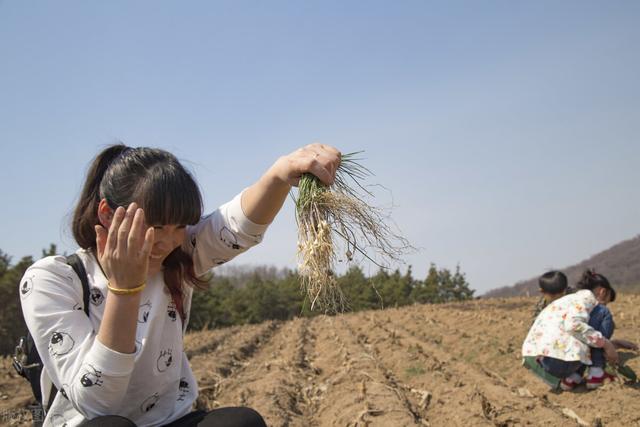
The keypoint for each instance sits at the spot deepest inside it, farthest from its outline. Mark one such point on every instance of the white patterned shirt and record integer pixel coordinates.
(153, 386)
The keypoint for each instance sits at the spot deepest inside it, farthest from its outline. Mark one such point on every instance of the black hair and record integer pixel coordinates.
(553, 282)
(591, 280)
(156, 180)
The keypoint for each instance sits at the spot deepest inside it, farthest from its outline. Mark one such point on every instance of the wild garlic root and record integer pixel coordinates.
(336, 221)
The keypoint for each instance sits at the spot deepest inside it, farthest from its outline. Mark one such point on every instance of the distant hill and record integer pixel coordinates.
(620, 264)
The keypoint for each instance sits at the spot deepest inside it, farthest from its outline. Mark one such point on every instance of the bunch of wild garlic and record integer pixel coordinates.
(335, 219)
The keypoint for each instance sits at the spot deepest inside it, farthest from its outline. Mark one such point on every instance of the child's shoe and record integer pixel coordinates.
(570, 382)
(597, 377)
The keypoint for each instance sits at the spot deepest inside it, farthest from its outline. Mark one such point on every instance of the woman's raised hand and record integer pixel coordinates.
(123, 251)
(319, 159)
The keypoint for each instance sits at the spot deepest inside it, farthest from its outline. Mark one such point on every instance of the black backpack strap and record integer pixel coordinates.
(76, 263)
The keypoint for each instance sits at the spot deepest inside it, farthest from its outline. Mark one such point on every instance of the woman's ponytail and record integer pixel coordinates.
(85, 216)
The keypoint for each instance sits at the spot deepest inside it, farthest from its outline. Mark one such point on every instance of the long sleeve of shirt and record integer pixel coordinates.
(221, 236)
(576, 321)
(155, 385)
(91, 376)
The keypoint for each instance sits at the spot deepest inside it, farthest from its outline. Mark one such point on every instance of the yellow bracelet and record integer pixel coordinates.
(124, 291)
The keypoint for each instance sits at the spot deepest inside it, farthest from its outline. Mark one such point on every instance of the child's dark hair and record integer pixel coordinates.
(591, 280)
(157, 181)
(553, 282)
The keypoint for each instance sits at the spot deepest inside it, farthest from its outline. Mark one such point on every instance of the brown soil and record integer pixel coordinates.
(438, 365)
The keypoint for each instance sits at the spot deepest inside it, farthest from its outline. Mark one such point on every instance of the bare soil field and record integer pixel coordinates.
(426, 365)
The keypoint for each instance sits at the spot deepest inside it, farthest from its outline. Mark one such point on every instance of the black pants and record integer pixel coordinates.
(222, 417)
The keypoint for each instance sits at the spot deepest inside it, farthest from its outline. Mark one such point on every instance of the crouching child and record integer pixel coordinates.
(561, 338)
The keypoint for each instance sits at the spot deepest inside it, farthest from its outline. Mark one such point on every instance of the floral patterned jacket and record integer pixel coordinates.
(542, 303)
(561, 330)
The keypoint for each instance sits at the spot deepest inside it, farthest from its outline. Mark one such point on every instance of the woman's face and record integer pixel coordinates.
(166, 239)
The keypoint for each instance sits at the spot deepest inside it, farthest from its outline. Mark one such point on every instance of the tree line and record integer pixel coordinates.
(241, 295)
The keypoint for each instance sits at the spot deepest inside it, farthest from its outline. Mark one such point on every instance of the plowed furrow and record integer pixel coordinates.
(231, 358)
(429, 390)
(209, 343)
(274, 382)
(499, 343)
(356, 391)
(494, 398)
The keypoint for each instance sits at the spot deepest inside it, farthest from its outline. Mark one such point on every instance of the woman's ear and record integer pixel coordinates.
(105, 213)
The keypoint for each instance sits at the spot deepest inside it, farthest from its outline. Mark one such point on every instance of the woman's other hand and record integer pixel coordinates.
(262, 201)
(318, 159)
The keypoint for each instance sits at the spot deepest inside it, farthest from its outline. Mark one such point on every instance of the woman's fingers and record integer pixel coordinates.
(318, 147)
(147, 245)
(124, 250)
(125, 226)
(141, 240)
(112, 236)
(136, 234)
(330, 155)
(324, 164)
(321, 171)
(318, 159)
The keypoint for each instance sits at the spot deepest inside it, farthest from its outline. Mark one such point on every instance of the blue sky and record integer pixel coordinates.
(507, 132)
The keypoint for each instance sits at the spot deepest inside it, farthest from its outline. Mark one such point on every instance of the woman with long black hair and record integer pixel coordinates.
(144, 244)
